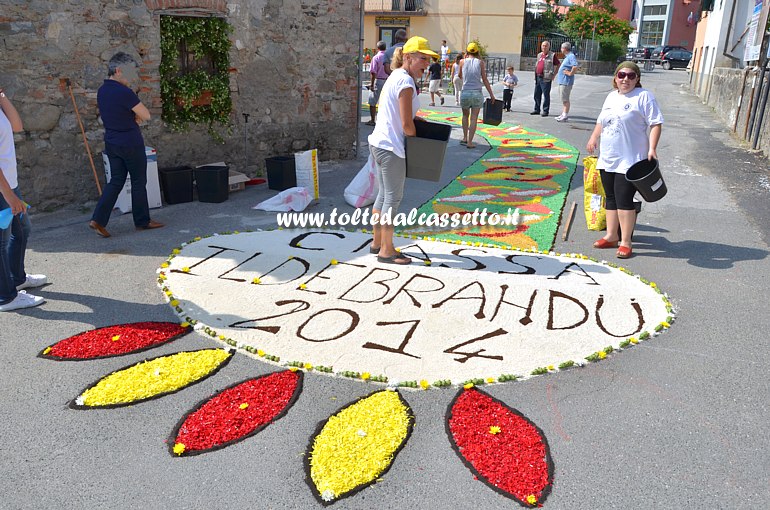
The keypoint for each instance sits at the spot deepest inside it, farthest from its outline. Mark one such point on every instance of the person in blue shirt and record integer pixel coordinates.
(566, 78)
(122, 112)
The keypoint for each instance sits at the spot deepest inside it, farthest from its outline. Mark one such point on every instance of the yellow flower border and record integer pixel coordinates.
(423, 384)
(355, 446)
(152, 378)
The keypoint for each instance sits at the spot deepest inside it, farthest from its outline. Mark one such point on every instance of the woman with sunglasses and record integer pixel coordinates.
(629, 127)
(399, 102)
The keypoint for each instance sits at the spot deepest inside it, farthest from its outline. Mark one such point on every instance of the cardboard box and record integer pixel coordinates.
(123, 204)
(237, 181)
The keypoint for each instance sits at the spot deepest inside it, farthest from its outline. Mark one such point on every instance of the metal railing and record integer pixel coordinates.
(530, 45)
(495, 68)
(393, 5)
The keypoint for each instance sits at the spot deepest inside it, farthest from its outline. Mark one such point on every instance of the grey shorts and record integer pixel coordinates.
(471, 99)
(375, 98)
(564, 92)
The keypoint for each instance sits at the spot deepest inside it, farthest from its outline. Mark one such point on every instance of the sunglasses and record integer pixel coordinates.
(630, 76)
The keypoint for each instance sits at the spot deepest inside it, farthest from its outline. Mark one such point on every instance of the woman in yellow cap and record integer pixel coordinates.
(473, 73)
(398, 106)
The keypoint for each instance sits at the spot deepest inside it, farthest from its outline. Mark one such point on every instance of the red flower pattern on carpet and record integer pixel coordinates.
(237, 412)
(503, 447)
(115, 340)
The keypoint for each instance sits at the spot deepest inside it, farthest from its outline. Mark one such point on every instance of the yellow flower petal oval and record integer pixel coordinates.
(341, 460)
(152, 378)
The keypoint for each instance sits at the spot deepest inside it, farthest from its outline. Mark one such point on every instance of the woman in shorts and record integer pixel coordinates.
(473, 73)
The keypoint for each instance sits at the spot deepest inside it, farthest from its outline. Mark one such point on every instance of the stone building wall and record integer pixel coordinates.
(292, 70)
(724, 97)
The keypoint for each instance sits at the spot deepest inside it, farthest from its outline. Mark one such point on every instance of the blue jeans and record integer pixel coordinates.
(542, 87)
(13, 244)
(125, 161)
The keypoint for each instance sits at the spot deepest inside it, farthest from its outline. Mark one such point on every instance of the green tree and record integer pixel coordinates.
(583, 23)
(601, 5)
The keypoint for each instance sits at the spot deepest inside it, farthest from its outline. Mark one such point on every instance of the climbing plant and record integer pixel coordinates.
(194, 72)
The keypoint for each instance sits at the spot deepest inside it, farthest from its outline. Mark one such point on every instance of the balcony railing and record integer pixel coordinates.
(391, 6)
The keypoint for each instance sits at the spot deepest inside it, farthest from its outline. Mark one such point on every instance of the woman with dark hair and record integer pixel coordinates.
(629, 127)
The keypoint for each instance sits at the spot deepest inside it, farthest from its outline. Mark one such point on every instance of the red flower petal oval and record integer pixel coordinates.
(501, 447)
(236, 413)
(114, 341)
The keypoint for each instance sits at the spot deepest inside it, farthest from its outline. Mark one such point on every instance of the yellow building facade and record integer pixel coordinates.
(498, 24)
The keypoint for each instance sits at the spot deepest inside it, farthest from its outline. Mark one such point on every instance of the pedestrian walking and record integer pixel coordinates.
(378, 76)
(122, 111)
(474, 74)
(434, 86)
(399, 103)
(626, 132)
(457, 82)
(13, 238)
(544, 72)
(566, 78)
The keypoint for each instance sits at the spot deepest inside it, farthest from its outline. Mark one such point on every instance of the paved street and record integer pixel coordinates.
(676, 422)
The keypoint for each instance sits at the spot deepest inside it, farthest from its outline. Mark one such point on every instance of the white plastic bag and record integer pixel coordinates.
(292, 199)
(363, 189)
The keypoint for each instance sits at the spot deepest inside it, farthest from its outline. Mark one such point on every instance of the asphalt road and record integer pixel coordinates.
(677, 422)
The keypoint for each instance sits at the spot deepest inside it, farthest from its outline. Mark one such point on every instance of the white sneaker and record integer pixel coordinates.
(22, 300)
(32, 281)
(562, 118)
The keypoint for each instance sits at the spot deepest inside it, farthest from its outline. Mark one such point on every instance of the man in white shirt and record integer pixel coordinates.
(444, 53)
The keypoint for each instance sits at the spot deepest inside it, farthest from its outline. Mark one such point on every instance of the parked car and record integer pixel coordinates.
(676, 59)
(642, 53)
(658, 51)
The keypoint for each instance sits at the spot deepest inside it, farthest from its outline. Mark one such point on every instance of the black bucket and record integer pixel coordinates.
(646, 178)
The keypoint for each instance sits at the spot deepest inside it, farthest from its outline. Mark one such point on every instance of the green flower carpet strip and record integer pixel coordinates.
(524, 169)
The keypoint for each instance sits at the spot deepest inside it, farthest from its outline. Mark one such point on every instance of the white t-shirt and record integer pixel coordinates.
(7, 152)
(625, 120)
(388, 134)
(444, 52)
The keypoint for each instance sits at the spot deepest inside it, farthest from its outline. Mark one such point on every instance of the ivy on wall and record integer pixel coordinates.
(194, 72)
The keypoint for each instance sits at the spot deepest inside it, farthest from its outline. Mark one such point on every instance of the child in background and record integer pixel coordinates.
(510, 81)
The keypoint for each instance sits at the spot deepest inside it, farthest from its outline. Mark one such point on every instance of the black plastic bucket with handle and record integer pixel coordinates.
(646, 178)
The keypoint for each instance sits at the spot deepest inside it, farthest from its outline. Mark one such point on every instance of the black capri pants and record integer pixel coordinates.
(618, 192)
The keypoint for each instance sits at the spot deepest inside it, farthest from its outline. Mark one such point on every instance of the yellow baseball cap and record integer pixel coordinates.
(418, 44)
(472, 48)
